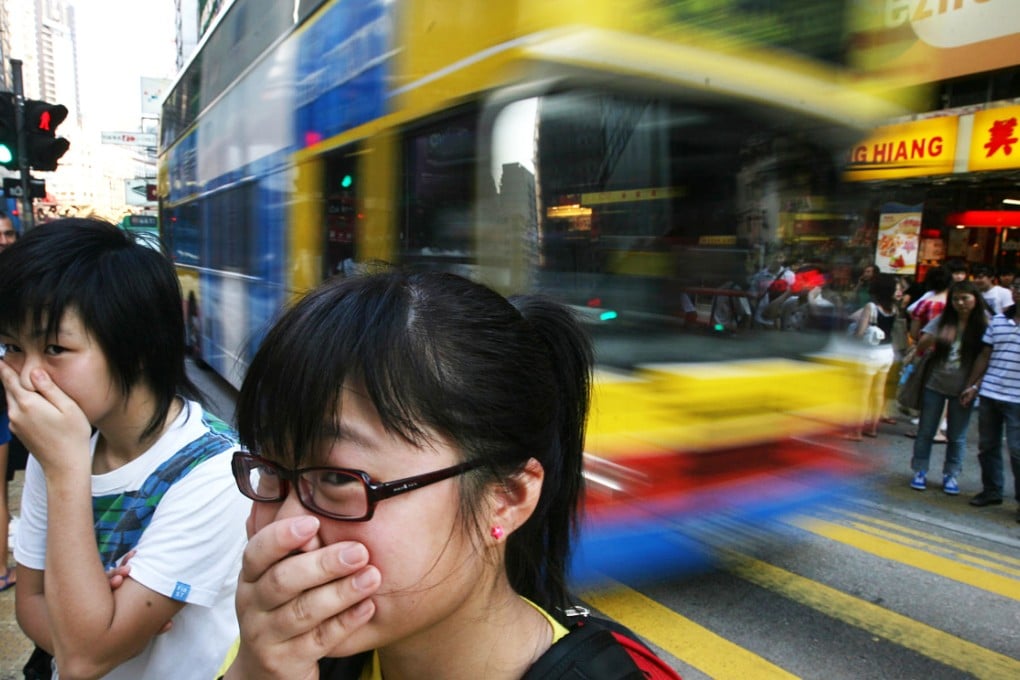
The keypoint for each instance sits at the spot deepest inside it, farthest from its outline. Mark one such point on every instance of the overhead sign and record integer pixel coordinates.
(152, 94)
(913, 149)
(130, 138)
(924, 41)
(995, 140)
(139, 191)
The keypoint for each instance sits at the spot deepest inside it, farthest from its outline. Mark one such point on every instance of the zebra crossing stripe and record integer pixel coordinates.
(695, 645)
(933, 643)
(919, 559)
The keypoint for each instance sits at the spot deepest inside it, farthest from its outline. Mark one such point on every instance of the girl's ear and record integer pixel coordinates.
(515, 500)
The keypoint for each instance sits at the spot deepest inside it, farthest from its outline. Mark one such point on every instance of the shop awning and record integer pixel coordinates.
(985, 218)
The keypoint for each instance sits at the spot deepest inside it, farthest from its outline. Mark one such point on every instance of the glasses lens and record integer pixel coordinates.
(256, 480)
(334, 492)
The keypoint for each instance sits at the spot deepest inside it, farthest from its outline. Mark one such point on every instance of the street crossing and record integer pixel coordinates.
(888, 594)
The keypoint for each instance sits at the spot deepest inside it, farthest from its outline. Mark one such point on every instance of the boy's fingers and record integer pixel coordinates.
(44, 385)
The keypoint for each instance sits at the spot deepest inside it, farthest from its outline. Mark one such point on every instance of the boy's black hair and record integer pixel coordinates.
(981, 269)
(953, 266)
(938, 278)
(503, 380)
(127, 296)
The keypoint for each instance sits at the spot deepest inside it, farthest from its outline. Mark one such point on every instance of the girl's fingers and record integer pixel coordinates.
(293, 576)
(325, 615)
(274, 542)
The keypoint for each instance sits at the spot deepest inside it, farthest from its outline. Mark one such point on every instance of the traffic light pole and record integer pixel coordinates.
(27, 212)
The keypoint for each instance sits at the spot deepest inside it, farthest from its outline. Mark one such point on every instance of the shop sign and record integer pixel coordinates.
(898, 235)
(995, 141)
(923, 41)
(913, 149)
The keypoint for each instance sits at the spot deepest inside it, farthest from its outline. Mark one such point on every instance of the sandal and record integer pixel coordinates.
(9, 578)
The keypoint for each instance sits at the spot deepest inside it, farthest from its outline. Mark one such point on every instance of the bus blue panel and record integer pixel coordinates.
(343, 61)
(659, 541)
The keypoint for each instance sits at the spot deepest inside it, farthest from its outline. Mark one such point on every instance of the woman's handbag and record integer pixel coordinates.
(912, 379)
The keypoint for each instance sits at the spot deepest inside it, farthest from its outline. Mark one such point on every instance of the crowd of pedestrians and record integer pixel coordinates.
(957, 324)
(964, 337)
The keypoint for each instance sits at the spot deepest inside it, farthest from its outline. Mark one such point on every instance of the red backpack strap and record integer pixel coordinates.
(651, 665)
(599, 649)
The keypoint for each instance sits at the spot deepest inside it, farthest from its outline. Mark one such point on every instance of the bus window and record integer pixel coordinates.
(635, 210)
(228, 222)
(439, 166)
(341, 192)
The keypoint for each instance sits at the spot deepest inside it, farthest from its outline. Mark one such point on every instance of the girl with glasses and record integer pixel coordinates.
(414, 453)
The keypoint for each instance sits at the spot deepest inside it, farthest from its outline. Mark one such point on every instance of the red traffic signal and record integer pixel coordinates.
(43, 146)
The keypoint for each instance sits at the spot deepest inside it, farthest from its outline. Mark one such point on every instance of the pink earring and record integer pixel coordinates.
(497, 532)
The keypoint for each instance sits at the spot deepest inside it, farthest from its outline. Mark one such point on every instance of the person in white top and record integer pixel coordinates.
(996, 297)
(94, 373)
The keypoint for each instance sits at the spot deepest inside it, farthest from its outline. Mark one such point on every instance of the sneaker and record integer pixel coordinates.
(950, 485)
(918, 482)
(986, 498)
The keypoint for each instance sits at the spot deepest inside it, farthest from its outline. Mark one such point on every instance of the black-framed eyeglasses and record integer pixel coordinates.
(336, 493)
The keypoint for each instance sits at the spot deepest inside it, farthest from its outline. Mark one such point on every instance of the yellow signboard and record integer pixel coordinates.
(995, 141)
(646, 194)
(913, 149)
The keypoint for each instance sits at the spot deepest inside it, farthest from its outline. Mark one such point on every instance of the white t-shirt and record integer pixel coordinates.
(190, 551)
(998, 298)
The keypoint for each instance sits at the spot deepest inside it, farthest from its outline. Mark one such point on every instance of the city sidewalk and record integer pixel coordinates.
(14, 646)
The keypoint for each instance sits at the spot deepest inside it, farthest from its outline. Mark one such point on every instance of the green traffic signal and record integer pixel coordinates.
(347, 181)
(8, 130)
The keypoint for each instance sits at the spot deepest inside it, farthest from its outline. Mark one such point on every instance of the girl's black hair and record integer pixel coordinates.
(883, 290)
(126, 294)
(977, 322)
(504, 380)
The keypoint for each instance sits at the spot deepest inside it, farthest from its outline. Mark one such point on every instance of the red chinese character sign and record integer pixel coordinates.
(899, 230)
(995, 140)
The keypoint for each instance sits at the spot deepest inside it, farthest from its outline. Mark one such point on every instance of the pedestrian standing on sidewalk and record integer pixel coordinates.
(955, 338)
(123, 462)
(996, 379)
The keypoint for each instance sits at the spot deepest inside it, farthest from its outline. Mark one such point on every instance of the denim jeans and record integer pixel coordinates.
(957, 422)
(993, 417)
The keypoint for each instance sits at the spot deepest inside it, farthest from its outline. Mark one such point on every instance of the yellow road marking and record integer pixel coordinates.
(697, 646)
(957, 551)
(919, 559)
(999, 557)
(898, 629)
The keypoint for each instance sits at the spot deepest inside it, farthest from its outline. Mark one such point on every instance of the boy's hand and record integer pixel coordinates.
(297, 601)
(49, 422)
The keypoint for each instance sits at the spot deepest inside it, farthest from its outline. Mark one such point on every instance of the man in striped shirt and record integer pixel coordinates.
(996, 378)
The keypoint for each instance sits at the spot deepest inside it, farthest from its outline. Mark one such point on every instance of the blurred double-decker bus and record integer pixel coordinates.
(606, 152)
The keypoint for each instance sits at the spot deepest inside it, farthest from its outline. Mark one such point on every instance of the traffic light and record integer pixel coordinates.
(43, 146)
(8, 130)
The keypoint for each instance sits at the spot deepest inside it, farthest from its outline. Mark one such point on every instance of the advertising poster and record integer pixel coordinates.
(896, 247)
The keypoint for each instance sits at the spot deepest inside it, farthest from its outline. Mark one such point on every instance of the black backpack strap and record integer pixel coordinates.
(587, 652)
(347, 668)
